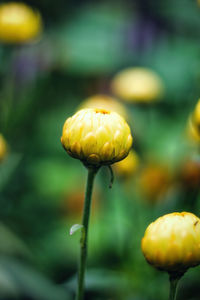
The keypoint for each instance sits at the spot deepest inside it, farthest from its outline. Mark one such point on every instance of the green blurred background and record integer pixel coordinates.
(83, 45)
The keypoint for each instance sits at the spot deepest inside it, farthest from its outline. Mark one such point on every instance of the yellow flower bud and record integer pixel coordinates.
(137, 85)
(3, 148)
(127, 166)
(105, 102)
(172, 242)
(18, 23)
(96, 137)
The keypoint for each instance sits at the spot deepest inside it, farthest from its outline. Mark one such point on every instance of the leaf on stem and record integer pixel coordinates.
(75, 228)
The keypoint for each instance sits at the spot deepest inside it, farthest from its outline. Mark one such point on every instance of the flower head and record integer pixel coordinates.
(18, 23)
(154, 181)
(127, 166)
(137, 85)
(105, 102)
(172, 242)
(96, 137)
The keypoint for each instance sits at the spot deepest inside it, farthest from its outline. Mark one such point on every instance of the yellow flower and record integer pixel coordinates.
(137, 85)
(18, 23)
(127, 166)
(172, 242)
(3, 148)
(96, 137)
(105, 102)
(189, 174)
(153, 181)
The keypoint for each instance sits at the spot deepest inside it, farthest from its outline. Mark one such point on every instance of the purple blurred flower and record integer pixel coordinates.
(30, 63)
(141, 35)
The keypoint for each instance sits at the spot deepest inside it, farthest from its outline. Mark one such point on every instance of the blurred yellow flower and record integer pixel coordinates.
(96, 137)
(189, 174)
(19, 23)
(172, 242)
(105, 102)
(127, 166)
(137, 85)
(3, 148)
(154, 181)
(73, 200)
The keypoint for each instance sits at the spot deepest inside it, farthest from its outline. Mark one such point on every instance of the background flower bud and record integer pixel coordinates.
(105, 102)
(154, 181)
(128, 166)
(18, 23)
(137, 85)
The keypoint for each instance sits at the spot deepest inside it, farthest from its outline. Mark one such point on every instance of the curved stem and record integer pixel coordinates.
(84, 236)
(173, 287)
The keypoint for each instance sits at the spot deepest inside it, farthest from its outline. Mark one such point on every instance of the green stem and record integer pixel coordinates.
(112, 176)
(173, 287)
(85, 222)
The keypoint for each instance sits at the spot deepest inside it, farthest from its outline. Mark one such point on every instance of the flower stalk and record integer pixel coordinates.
(96, 137)
(84, 235)
(173, 286)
